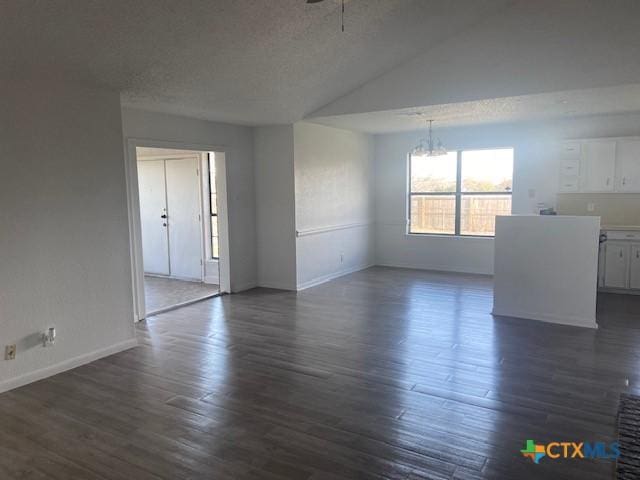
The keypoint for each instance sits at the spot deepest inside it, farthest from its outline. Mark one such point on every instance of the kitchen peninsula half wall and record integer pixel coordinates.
(546, 268)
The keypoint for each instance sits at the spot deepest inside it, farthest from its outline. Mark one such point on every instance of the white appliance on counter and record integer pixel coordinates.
(619, 260)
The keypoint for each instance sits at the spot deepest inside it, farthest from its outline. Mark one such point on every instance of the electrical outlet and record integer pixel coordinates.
(10, 352)
(591, 207)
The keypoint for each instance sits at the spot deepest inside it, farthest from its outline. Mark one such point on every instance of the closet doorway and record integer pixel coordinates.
(178, 226)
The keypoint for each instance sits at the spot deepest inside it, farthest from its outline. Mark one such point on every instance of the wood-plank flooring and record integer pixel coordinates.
(382, 374)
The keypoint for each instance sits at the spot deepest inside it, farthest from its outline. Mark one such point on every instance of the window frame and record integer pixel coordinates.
(211, 214)
(458, 194)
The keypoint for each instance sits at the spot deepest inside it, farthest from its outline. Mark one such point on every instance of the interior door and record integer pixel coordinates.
(153, 205)
(183, 203)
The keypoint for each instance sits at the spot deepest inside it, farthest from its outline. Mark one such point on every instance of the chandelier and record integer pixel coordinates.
(427, 147)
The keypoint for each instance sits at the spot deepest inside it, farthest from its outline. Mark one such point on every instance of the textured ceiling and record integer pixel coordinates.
(572, 103)
(240, 61)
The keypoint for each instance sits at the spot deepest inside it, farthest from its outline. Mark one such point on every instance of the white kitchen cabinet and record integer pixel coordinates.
(602, 249)
(634, 267)
(619, 262)
(628, 166)
(616, 265)
(569, 184)
(597, 166)
(569, 153)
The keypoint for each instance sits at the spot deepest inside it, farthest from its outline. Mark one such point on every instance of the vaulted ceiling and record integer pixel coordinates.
(278, 61)
(242, 61)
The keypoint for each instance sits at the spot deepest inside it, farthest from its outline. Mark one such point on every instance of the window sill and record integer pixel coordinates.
(445, 235)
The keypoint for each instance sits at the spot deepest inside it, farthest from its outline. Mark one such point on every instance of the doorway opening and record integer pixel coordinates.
(180, 208)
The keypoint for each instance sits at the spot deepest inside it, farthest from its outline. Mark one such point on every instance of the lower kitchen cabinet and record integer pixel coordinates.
(620, 266)
(634, 267)
(616, 265)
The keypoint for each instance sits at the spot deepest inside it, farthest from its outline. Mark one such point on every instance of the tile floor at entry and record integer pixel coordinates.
(161, 293)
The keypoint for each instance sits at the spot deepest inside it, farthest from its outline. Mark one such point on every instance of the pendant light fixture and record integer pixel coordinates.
(427, 147)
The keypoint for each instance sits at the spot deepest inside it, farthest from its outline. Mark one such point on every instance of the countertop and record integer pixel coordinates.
(633, 228)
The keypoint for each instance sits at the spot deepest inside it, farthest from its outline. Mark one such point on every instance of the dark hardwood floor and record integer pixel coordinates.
(383, 374)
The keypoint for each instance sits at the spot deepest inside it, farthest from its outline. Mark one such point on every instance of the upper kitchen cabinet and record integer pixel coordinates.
(628, 166)
(598, 166)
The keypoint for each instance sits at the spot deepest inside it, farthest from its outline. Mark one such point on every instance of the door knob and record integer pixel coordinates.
(163, 216)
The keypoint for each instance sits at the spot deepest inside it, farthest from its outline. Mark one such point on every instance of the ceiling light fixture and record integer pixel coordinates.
(427, 147)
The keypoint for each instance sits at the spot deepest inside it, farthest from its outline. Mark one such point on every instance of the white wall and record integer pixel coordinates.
(333, 202)
(237, 142)
(64, 237)
(535, 180)
(275, 207)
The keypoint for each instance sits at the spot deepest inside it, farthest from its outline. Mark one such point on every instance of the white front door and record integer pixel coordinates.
(183, 204)
(153, 205)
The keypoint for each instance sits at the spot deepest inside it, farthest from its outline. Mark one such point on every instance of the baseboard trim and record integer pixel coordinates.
(65, 365)
(435, 269)
(621, 291)
(545, 317)
(332, 276)
(243, 287)
(277, 286)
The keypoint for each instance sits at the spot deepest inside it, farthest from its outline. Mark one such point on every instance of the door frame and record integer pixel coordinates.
(135, 229)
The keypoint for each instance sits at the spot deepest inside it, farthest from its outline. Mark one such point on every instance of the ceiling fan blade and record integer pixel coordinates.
(314, 1)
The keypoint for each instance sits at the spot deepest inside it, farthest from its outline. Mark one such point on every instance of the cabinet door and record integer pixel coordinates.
(634, 274)
(597, 165)
(601, 262)
(616, 265)
(628, 166)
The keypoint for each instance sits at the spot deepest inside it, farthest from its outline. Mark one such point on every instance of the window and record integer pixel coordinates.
(213, 206)
(460, 193)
